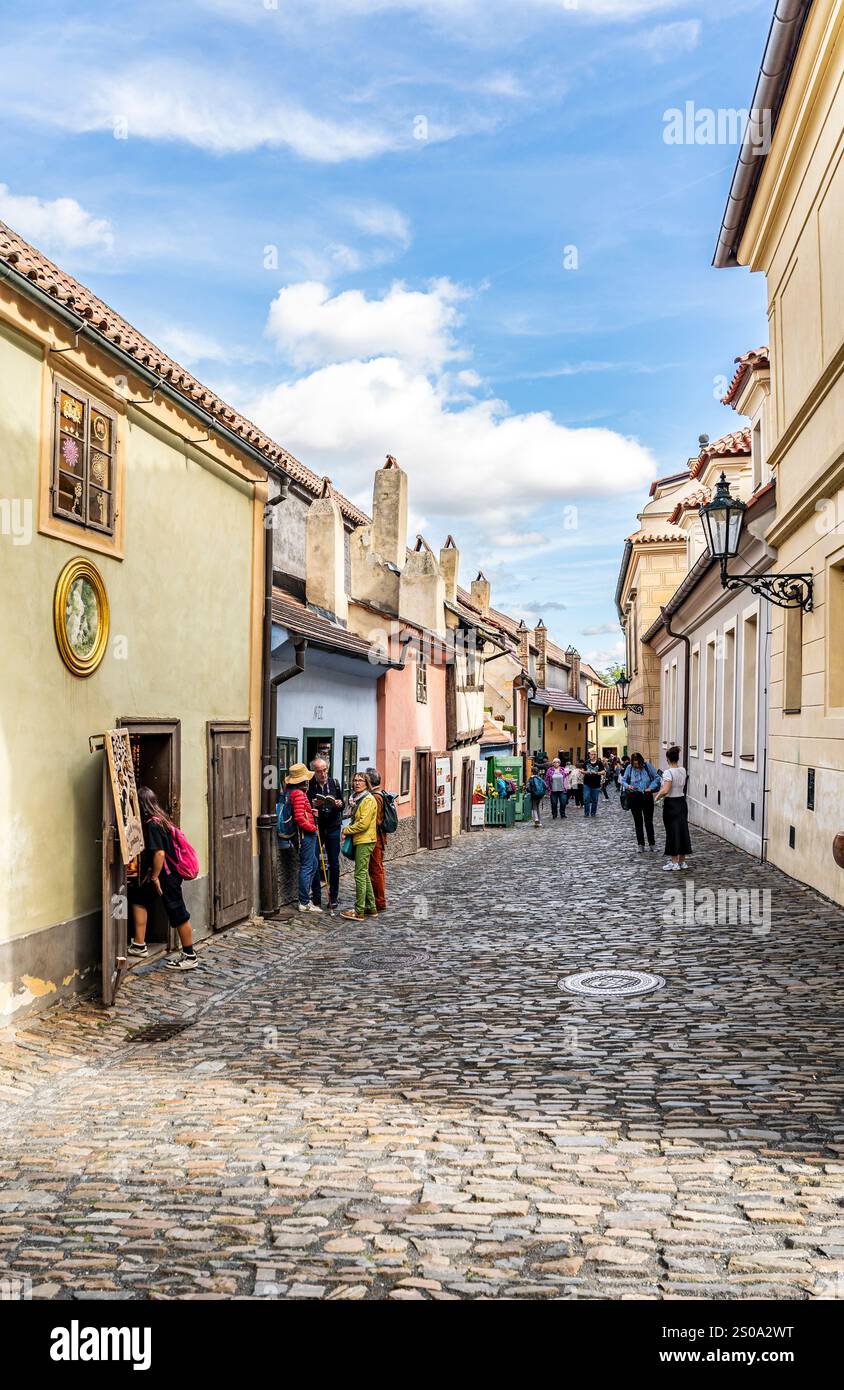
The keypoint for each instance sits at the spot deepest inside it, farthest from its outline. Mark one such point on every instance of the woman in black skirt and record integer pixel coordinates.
(675, 812)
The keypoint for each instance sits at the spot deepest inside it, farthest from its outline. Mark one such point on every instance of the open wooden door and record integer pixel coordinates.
(466, 788)
(230, 812)
(115, 897)
(424, 797)
(441, 801)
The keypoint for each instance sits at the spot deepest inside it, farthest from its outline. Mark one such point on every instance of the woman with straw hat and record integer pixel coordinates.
(296, 781)
(363, 829)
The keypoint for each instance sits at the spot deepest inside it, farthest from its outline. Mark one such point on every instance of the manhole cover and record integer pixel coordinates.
(386, 960)
(159, 1032)
(612, 984)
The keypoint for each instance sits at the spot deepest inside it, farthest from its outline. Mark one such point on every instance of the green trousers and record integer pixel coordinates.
(364, 896)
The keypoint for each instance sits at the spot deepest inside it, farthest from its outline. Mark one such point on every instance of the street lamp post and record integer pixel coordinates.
(622, 685)
(722, 520)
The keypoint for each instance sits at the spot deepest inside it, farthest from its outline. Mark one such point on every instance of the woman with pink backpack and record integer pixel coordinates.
(167, 860)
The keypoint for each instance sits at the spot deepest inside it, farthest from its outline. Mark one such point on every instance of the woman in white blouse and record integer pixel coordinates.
(675, 812)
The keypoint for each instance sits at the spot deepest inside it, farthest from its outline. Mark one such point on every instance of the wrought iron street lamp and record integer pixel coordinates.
(622, 685)
(723, 519)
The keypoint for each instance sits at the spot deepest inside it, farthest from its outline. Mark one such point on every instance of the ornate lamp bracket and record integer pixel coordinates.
(785, 590)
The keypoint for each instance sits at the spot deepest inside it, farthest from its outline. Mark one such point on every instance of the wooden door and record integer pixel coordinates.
(230, 829)
(441, 820)
(115, 897)
(424, 797)
(466, 788)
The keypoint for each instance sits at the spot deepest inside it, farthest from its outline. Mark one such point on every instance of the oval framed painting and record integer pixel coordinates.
(81, 616)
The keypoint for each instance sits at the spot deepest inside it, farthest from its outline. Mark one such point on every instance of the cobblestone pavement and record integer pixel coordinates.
(413, 1108)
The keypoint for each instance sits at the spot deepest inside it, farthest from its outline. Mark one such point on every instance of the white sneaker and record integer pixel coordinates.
(669, 868)
(310, 907)
(683, 866)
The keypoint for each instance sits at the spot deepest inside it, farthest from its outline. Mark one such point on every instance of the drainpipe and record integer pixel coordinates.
(265, 816)
(686, 683)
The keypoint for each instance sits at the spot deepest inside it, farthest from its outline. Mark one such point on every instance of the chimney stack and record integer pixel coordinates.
(449, 564)
(540, 639)
(325, 568)
(480, 594)
(389, 514)
(574, 672)
(523, 641)
(422, 589)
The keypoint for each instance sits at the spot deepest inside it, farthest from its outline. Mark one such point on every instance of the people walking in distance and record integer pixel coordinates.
(377, 871)
(576, 782)
(675, 812)
(297, 781)
(536, 789)
(363, 831)
(156, 876)
(326, 797)
(638, 785)
(502, 786)
(556, 780)
(593, 778)
(607, 777)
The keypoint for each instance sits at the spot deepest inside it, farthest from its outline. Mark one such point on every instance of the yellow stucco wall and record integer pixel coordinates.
(795, 236)
(181, 645)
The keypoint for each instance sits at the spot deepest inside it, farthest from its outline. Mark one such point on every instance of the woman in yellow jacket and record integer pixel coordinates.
(363, 830)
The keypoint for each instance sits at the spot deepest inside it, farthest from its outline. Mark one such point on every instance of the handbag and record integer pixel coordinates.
(347, 847)
(624, 800)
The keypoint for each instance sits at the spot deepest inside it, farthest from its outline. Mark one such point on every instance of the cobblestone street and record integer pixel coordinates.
(413, 1108)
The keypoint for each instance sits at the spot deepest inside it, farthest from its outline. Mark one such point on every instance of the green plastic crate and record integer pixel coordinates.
(501, 810)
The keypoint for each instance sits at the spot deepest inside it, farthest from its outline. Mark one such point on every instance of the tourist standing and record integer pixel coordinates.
(576, 783)
(536, 790)
(297, 780)
(593, 778)
(638, 784)
(377, 871)
(675, 812)
(556, 780)
(363, 830)
(326, 797)
(143, 887)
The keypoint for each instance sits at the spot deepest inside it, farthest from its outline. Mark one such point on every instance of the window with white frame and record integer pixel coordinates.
(749, 685)
(673, 729)
(709, 700)
(728, 692)
(756, 455)
(694, 699)
(792, 695)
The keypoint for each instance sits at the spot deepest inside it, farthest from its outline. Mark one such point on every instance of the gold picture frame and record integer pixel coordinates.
(81, 616)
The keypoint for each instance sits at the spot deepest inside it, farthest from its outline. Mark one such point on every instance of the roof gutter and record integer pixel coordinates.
(83, 329)
(775, 70)
(625, 561)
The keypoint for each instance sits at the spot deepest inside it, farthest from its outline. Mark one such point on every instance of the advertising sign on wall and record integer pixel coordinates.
(479, 777)
(442, 784)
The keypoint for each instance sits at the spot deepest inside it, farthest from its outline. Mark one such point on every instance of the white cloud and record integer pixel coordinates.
(448, 11)
(166, 100)
(189, 345)
(473, 461)
(381, 221)
(599, 629)
(312, 327)
(59, 227)
(668, 41)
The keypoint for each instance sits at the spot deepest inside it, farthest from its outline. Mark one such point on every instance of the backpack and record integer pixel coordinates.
(285, 822)
(390, 818)
(537, 787)
(184, 858)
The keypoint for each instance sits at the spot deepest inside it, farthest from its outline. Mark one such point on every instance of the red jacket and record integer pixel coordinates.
(301, 808)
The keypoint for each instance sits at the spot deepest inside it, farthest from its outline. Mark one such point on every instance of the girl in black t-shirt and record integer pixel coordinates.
(156, 875)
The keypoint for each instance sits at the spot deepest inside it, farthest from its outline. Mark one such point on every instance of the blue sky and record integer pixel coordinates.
(447, 229)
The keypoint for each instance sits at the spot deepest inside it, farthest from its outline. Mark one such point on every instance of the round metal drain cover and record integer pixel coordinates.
(612, 984)
(386, 960)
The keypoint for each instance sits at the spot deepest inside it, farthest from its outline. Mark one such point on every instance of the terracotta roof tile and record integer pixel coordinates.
(729, 445)
(757, 357)
(297, 617)
(562, 701)
(26, 259)
(609, 698)
(691, 502)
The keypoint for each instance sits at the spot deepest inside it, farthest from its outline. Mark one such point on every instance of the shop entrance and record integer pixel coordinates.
(156, 759)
